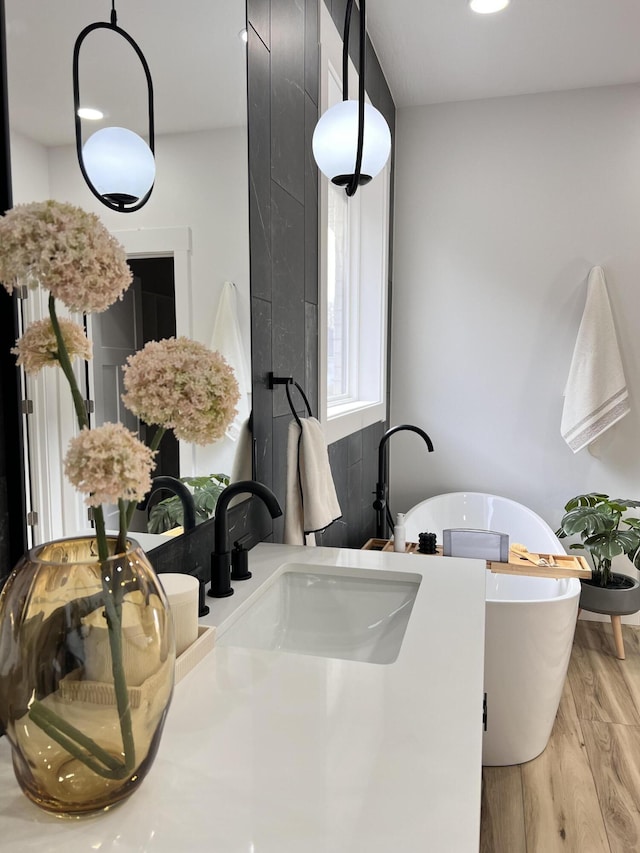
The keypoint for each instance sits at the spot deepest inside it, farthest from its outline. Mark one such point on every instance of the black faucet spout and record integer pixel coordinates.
(221, 557)
(172, 484)
(380, 503)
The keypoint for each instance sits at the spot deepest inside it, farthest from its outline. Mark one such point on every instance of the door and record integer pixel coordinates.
(116, 334)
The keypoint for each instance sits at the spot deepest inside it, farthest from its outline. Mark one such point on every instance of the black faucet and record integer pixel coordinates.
(221, 559)
(380, 503)
(172, 484)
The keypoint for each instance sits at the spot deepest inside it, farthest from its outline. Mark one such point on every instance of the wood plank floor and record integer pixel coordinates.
(582, 795)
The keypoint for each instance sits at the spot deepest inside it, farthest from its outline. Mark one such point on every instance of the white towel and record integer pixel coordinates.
(596, 395)
(227, 340)
(311, 501)
(242, 461)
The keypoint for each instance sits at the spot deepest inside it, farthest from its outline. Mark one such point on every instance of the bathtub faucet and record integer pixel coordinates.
(380, 505)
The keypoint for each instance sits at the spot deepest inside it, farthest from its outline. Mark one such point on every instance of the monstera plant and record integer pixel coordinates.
(605, 532)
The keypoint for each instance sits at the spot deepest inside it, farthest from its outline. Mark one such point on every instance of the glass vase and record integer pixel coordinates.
(87, 662)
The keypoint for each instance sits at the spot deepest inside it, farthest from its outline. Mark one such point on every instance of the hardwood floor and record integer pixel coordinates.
(582, 795)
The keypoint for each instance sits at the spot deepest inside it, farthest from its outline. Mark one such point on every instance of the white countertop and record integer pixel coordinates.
(274, 752)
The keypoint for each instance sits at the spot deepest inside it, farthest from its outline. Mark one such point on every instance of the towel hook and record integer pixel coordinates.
(288, 381)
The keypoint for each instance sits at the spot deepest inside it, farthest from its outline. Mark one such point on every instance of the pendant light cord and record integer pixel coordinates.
(355, 179)
(114, 14)
(345, 51)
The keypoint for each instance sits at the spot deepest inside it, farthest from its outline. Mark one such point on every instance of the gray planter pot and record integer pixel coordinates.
(611, 602)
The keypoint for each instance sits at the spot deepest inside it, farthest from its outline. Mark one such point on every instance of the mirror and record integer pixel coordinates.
(195, 224)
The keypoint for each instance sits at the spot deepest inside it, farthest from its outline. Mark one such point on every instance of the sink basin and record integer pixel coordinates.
(316, 610)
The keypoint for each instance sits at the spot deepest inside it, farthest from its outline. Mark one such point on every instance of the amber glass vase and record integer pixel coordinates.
(87, 661)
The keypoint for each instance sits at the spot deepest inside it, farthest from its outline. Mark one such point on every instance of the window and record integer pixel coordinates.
(339, 298)
(353, 280)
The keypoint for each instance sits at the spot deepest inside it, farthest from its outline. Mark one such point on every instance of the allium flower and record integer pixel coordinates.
(67, 250)
(38, 346)
(181, 385)
(108, 463)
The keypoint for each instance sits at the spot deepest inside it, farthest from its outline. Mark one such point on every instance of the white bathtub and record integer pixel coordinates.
(530, 624)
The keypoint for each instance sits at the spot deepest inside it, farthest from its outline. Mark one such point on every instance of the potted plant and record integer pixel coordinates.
(605, 533)
(169, 513)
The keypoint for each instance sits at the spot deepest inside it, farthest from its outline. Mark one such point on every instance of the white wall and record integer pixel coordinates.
(502, 207)
(29, 169)
(201, 184)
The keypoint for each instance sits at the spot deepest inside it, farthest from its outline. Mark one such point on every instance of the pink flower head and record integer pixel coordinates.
(109, 463)
(38, 347)
(182, 385)
(67, 250)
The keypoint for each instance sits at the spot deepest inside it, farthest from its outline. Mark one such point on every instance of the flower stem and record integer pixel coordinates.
(121, 544)
(154, 444)
(157, 438)
(67, 369)
(73, 740)
(70, 738)
(113, 607)
(112, 593)
(101, 536)
(81, 414)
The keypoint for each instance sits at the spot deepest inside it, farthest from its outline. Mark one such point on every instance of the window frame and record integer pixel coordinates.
(369, 218)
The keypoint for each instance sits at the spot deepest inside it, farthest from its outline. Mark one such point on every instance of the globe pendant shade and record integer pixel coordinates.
(119, 164)
(335, 142)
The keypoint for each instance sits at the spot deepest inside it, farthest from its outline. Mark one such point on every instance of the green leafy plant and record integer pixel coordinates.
(168, 513)
(597, 519)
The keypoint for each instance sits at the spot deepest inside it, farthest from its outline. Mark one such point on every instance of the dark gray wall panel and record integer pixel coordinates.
(354, 448)
(310, 206)
(259, 13)
(353, 509)
(370, 440)
(288, 318)
(259, 103)
(261, 360)
(287, 96)
(280, 436)
(284, 303)
(311, 363)
(311, 49)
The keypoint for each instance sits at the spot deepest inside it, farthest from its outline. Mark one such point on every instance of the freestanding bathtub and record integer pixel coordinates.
(530, 624)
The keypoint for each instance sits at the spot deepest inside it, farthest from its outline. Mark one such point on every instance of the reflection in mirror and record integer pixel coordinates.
(188, 246)
(117, 163)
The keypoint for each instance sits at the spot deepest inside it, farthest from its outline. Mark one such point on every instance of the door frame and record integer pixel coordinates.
(61, 508)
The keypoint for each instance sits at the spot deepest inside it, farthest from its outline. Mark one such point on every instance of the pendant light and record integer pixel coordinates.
(352, 142)
(117, 164)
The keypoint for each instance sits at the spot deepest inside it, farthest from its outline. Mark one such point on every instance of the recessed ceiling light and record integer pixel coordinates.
(243, 35)
(90, 113)
(486, 7)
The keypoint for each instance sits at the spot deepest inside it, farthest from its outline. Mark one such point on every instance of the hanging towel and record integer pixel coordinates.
(227, 340)
(596, 395)
(242, 461)
(311, 501)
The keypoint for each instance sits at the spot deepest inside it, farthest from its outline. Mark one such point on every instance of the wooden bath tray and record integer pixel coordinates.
(567, 566)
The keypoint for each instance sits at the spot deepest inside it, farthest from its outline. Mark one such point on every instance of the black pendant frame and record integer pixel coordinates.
(123, 204)
(352, 182)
